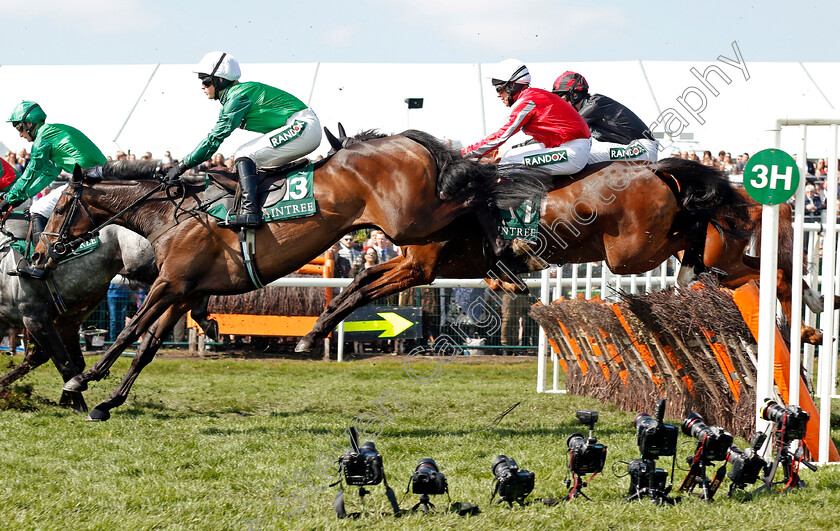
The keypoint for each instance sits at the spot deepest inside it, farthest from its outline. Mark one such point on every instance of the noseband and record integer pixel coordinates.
(61, 248)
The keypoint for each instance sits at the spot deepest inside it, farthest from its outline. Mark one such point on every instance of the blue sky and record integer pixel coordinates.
(419, 31)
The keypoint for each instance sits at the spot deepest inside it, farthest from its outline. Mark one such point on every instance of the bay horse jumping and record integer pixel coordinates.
(394, 183)
(631, 216)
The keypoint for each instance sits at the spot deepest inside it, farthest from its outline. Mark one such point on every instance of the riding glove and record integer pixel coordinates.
(174, 173)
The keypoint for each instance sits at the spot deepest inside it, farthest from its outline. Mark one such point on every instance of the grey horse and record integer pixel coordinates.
(81, 284)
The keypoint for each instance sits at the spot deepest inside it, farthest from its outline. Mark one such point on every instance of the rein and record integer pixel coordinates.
(61, 248)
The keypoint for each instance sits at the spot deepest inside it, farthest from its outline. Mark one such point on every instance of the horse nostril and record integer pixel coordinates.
(36, 258)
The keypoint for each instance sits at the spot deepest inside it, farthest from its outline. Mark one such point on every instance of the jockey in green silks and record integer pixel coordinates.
(55, 147)
(290, 129)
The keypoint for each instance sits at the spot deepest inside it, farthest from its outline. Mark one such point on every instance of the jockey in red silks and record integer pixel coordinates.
(8, 174)
(561, 135)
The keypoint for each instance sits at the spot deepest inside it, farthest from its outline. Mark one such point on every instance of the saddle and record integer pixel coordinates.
(222, 197)
(227, 180)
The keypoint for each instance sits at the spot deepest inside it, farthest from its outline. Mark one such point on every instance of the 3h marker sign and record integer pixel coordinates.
(771, 177)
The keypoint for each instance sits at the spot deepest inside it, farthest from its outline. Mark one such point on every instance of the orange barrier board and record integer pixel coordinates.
(261, 325)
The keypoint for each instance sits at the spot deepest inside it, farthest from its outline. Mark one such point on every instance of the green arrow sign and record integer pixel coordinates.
(391, 325)
(771, 177)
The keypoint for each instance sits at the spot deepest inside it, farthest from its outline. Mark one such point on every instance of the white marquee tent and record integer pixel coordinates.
(160, 107)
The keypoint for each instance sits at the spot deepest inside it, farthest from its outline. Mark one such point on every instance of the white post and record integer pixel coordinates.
(796, 297)
(813, 281)
(588, 280)
(663, 274)
(605, 280)
(648, 281)
(555, 364)
(339, 348)
(767, 305)
(836, 327)
(827, 351)
(766, 311)
(545, 280)
(574, 281)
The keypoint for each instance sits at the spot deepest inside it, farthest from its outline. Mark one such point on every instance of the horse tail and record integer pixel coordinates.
(498, 186)
(706, 194)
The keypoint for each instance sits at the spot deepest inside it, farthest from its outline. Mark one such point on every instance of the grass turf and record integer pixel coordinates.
(230, 444)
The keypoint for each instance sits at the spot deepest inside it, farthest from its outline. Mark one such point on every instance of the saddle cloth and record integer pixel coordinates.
(286, 197)
(16, 228)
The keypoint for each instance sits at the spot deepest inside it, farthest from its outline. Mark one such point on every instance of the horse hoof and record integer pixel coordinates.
(212, 331)
(75, 385)
(304, 345)
(98, 415)
(74, 401)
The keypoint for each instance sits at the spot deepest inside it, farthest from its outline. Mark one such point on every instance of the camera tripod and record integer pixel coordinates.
(789, 462)
(657, 496)
(424, 504)
(697, 476)
(577, 487)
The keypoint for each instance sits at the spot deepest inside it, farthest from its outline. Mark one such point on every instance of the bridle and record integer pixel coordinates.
(62, 247)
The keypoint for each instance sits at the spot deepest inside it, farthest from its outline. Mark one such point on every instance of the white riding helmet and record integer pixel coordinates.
(509, 71)
(218, 64)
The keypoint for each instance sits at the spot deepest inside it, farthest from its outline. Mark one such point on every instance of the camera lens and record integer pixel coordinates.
(427, 463)
(368, 446)
(773, 412)
(575, 440)
(694, 426)
(502, 466)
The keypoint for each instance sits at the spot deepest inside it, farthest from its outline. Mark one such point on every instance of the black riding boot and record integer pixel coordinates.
(38, 224)
(249, 213)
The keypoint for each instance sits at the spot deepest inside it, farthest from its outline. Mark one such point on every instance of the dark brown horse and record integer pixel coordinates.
(394, 183)
(631, 216)
(738, 258)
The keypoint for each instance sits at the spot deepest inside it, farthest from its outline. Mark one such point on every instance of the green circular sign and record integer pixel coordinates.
(771, 177)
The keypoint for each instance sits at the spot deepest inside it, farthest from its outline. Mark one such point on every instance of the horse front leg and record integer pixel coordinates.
(379, 281)
(692, 263)
(326, 321)
(157, 301)
(48, 338)
(35, 358)
(202, 317)
(152, 341)
(70, 339)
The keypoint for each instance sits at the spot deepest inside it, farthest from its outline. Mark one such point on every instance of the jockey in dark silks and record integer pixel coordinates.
(55, 147)
(290, 129)
(617, 133)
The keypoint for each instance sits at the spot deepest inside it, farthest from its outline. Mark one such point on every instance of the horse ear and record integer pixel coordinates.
(341, 132)
(334, 142)
(78, 174)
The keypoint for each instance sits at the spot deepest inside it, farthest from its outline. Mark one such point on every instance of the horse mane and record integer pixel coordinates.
(364, 136)
(502, 186)
(124, 170)
(703, 190)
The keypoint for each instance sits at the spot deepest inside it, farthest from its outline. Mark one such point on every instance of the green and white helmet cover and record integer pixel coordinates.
(29, 112)
(219, 64)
